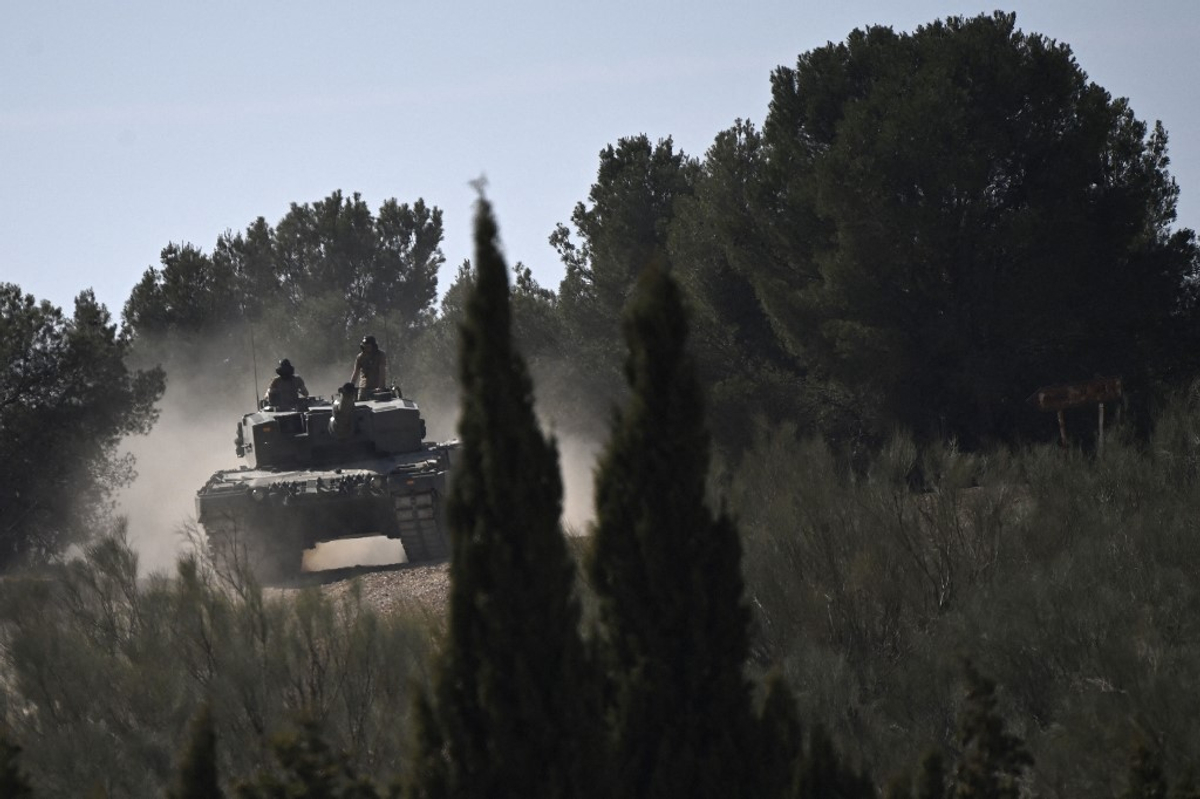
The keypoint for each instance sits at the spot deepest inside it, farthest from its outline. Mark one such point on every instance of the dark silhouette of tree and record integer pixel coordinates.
(506, 715)
(992, 760)
(667, 574)
(622, 227)
(1146, 780)
(930, 782)
(308, 768)
(823, 774)
(13, 782)
(67, 398)
(331, 266)
(198, 777)
(780, 747)
(957, 215)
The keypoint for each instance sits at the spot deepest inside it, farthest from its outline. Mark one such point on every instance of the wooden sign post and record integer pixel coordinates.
(1073, 395)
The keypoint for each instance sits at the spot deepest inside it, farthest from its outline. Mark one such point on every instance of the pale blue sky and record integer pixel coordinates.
(126, 126)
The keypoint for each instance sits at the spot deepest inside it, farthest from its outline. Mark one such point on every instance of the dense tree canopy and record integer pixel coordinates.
(324, 274)
(957, 216)
(622, 228)
(66, 400)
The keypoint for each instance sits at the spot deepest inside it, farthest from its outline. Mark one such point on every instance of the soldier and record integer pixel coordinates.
(341, 423)
(370, 369)
(285, 391)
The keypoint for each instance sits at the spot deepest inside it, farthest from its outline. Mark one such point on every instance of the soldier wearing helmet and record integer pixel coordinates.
(370, 368)
(286, 389)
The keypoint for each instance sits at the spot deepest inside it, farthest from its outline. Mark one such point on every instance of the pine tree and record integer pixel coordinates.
(504, 716)
(308, 768)
(992, 759)
(1146, 780)
(780, 749)
(823, 775)
(672, 626)
(197, 777)
(13, 782)
(931, 781)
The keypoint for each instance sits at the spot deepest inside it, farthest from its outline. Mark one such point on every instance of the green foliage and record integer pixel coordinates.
(308, 769)
(623, 228)
(324, 274)
(823, 774)
(1071, 577)
(1146, 779)
(13, 782)
(197, 775)
(67, 397)
(667, 573)
(106, 670)
(956, 216)
(508, 711)
(992, 760)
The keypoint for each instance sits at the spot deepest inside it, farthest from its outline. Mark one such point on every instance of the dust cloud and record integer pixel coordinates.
(577, 460)
(193, 439)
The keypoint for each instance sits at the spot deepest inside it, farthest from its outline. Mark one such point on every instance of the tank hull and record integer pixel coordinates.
(264, 517)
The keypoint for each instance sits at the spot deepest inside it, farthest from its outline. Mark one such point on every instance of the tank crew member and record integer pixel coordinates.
(341, 423)
(285, 391)
(370, 368)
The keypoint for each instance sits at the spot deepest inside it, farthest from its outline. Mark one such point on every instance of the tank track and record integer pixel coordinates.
(419, 526)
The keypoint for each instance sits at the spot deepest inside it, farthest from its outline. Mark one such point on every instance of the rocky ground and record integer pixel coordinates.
(384, 588)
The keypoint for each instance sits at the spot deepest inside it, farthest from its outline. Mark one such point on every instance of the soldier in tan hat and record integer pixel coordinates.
(370, 369)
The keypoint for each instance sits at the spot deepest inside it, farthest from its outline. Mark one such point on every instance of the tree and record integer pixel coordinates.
(329, 267)
(622, 228)
(13, 782)
(992, 760)
(1146, 780)
(672, 627)
(197, 777)
(507, 713)
(309, 769)
(191, 294)
(67, 399)
(715, 242)
(403, 277)
(958, 215)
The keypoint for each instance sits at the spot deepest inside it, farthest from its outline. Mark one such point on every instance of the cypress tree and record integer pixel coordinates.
(780, 747)
(13, 782)
(308, 768)
(503, 717)
(993, 760)
(197, 776)
(1146, 780)
(824, 776)
(672, 628)
(931, 781)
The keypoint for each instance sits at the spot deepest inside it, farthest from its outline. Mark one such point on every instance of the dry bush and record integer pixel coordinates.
(1069, 577)
(105, 670)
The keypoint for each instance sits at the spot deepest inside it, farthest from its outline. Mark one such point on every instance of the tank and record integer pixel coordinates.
(327, 470)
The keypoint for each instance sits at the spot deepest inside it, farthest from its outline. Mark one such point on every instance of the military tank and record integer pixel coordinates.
(325, 470)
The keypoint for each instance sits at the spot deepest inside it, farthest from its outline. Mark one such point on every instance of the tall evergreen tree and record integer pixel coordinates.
(1146, 780)
(198, 777)
(993, 759)
(504, 717)
(667, 572)
(13, 782)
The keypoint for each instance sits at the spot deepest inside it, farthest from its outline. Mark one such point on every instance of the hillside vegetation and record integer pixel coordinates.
(834, 552)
